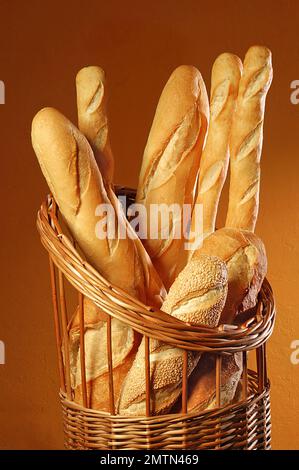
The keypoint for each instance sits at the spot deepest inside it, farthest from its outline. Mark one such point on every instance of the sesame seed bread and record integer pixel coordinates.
(197, 296)
(245, 257)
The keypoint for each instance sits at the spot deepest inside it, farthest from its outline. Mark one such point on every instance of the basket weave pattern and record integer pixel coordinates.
(245, 424)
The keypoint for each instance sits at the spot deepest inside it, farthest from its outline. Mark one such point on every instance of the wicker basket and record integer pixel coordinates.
(245, 424)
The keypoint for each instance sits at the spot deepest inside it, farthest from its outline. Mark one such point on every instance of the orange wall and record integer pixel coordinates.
(138, 43)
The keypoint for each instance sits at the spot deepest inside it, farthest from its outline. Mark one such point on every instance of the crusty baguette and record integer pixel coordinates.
(202, 382)
(92, 117)
(197, 296)
(171, 161)
(72, 174)
(246, 139)
(69, 167)
(226, 73)
(246, 261)
(93, 123)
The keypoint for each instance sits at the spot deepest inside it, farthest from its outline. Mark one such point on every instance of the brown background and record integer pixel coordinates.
(138, 43)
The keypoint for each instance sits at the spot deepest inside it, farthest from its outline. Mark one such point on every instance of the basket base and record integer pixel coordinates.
(245, 426)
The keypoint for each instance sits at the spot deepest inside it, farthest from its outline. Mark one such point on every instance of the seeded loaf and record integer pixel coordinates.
(245, 257)
(197, 296)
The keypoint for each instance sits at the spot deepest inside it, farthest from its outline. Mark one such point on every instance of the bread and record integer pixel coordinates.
(93, 123)
(124, 344)
(72, 174)
(226, 73)
(70, 169)
(92, 117)
(202, 382)
(170, 164)
(246, 139)
(246, 262)
(197, 297)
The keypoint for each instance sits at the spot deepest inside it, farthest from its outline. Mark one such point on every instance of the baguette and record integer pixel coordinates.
(202, 383)
(92, 117)
(69, 167)
(197, 297)
(170, 164)
(245, 257)
(225, 79)
(93, 123)
(246, 139)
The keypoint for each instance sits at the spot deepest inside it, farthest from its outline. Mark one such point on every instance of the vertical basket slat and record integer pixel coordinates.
(57, 325)
(65, 335)
(82, 351)
(147, 376)
(110, 366)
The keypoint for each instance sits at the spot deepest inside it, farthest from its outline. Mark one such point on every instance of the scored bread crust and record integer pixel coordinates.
(245, 257)
(70, 169)
(92, 117)
(205, 275)
(247, 138)
(226, 73)
(171, 161)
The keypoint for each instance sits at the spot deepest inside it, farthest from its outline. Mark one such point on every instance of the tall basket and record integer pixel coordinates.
(244, 424)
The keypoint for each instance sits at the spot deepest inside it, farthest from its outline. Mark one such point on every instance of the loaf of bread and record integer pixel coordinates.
(197, 296)
(225, 79)
(246, 139)
(202, 382)
(93, 123)
(69, 167)
(246, 262)
(92, 117)
(124, 345)
(170, 165)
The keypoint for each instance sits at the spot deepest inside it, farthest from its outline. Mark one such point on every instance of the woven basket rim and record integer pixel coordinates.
(143, 318)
